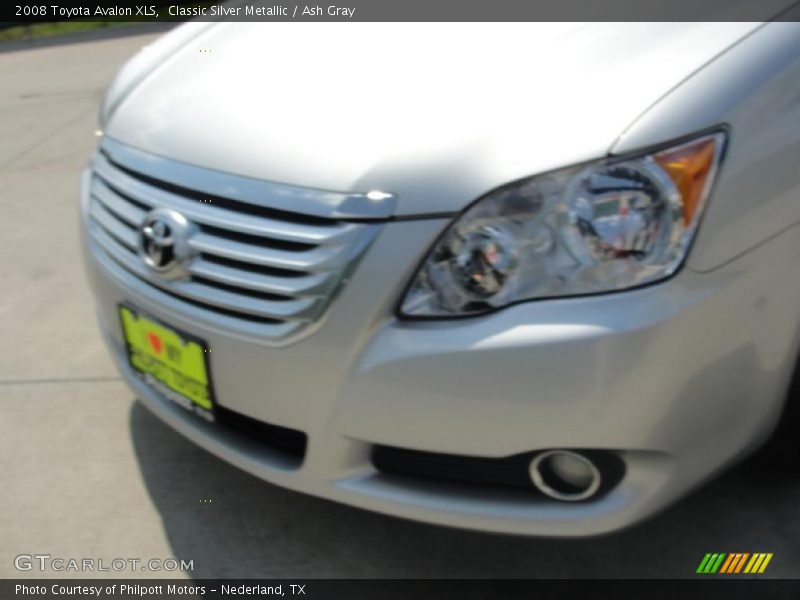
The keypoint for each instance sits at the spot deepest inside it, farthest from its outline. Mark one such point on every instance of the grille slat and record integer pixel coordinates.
(290, 442)
(245, 269)
(114, 226)
(316, 284)
(129, 212)
(318, 259)
(511, 471)
(290, 309)
(248, 325)
(336, 233)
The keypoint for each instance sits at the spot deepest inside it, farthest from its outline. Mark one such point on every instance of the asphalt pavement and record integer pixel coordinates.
(87, 472)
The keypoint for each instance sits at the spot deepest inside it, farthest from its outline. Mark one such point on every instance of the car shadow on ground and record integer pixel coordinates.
(233, 525)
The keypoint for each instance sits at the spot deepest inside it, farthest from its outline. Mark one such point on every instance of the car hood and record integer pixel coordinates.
(437, 114)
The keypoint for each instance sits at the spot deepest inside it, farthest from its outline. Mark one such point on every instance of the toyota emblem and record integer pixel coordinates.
(164, 242)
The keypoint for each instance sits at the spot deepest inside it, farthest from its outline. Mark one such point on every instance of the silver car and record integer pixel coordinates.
(526, 278)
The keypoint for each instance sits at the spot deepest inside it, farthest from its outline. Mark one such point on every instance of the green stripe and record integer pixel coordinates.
(711, 562)
(718, 563)
(702, 567)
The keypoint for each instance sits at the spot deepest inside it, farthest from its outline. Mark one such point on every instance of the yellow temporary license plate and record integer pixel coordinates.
(174, 363)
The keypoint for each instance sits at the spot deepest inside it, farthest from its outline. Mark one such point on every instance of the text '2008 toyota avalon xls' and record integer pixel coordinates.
(525, 278)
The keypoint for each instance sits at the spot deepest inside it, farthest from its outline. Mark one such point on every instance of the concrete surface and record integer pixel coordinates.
(89, 473)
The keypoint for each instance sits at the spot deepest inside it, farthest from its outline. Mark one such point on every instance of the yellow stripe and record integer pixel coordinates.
(741, 562)
(765, 563)
(760, 557)
(727, 562)
(751, 564)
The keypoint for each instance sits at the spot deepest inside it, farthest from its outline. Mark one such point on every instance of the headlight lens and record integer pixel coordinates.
(613, 225)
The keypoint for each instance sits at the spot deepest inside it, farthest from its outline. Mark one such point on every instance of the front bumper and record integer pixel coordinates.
(680, 379)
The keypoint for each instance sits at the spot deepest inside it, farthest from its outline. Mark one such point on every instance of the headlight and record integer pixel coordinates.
(613, 225)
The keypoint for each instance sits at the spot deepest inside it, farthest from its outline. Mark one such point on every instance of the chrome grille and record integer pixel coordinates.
(262, 271)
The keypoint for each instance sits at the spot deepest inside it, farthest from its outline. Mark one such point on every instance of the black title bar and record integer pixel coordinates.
(705, 587)
(18, 11)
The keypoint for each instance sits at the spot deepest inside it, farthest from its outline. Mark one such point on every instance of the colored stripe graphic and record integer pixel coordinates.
(752, 563)
(758, 563)
(711, 563)
(735, 562)
(765, 563)
(732, 559)
(716, 565)
(703, 563)
(741, 562)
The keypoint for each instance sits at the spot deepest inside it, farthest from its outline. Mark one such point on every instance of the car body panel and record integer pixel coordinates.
(313, 106)
(756, 91)
(626, 372)
(680, 378)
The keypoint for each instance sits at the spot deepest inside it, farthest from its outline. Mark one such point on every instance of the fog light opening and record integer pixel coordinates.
(565, 475)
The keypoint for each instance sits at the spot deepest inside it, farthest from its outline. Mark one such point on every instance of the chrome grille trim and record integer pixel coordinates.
(270, 195)
(296, 309)
(262, 276)
(263, 331)
(121, 233)
(335, 233)
(316, 284)
(318, 259)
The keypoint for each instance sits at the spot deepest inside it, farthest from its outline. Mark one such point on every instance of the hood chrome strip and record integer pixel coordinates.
(278, 196)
